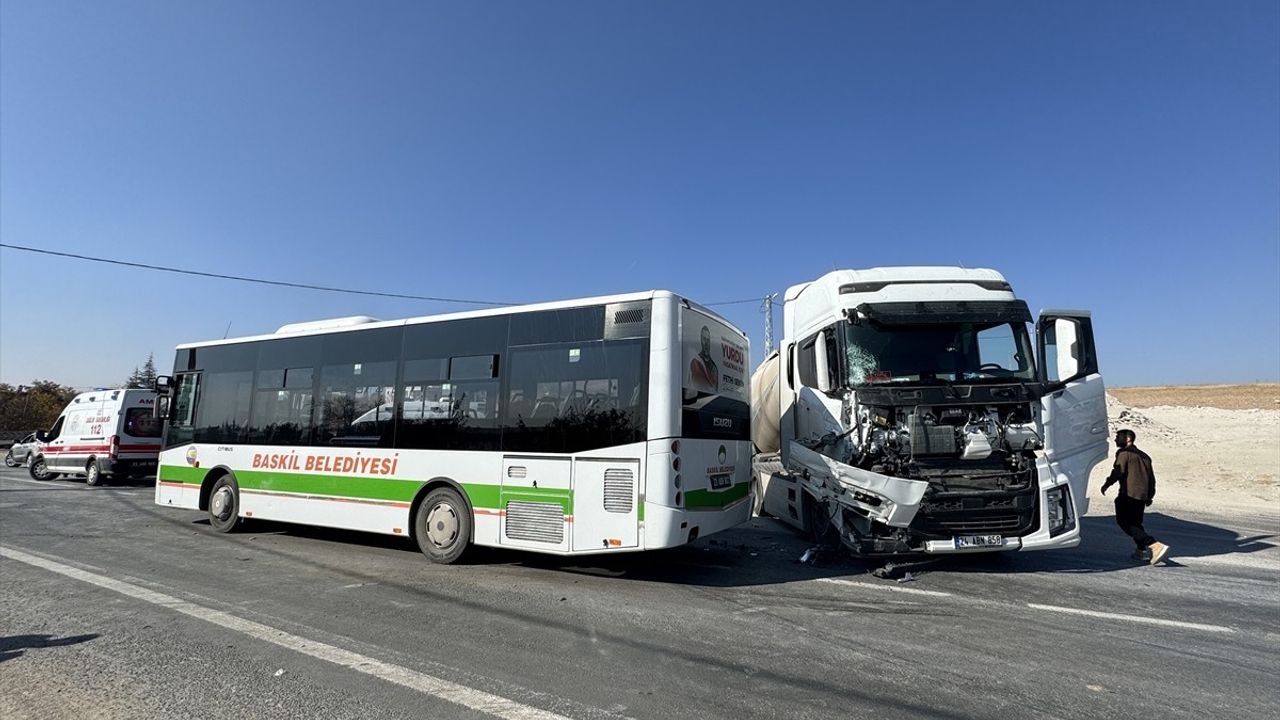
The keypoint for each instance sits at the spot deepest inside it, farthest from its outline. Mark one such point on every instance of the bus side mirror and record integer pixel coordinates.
(162, 384)
(162, 408)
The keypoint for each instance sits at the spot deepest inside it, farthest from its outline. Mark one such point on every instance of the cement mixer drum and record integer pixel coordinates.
(765, 404)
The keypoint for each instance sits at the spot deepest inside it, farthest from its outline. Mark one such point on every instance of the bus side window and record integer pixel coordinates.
(282, 407)
(577, 396)
(357, 406)
(450, 403)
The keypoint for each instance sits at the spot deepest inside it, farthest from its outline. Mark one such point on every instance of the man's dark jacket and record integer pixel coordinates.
(1133, 471)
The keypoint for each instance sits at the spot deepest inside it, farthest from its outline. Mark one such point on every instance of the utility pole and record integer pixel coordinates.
(766, 307)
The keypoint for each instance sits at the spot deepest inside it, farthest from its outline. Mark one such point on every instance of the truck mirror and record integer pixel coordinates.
(1066, 350)
(1066, 347)
(823, 367)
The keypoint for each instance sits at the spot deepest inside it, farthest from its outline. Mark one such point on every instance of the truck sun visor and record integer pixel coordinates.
(926, 313)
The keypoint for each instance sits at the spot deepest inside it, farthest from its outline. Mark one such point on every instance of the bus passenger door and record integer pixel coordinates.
(537, 505)
(605, 504)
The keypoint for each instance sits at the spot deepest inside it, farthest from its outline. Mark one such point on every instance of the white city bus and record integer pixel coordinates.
(607, 424)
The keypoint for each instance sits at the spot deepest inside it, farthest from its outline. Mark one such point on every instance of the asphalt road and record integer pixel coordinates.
(113, 607)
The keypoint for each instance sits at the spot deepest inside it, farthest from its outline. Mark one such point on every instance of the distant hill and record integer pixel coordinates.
(1262, 396)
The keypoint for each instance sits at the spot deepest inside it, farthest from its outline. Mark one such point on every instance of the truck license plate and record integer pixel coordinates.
(973, 541)
(721, 481)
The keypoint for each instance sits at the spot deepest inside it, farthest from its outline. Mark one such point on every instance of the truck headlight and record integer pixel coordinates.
(1061, 515)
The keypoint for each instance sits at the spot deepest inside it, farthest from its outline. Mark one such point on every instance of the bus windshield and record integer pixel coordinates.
(965, 352)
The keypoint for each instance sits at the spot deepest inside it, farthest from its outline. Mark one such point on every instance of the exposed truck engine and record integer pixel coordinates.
(906, 412)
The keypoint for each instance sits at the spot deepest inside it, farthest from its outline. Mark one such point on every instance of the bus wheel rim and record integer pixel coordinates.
(442, 525)
(221, 503)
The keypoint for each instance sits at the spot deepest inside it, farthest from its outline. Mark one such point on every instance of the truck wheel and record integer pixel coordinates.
(9, 461)
(39, 470)
(443, 526)
(92, 474)
(822, 530)
(757, 487)
(224, 505)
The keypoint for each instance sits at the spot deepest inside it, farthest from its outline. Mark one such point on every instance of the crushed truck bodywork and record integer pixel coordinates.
(892, 501)
(910, 410)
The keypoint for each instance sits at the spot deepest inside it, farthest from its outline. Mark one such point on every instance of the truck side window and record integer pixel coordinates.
(805, 363)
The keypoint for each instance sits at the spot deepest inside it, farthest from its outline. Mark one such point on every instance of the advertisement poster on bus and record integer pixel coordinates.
(714, 369)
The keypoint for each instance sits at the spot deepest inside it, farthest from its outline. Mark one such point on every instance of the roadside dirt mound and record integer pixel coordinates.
(1121, 416)
(1204, 455)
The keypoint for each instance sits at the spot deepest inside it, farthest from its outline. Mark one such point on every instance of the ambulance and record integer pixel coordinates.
(100, 434)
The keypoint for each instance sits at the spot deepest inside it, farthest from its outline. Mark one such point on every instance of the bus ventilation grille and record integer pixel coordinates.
(517, 471)
(623, 317)
(618, 491)
(535, 521)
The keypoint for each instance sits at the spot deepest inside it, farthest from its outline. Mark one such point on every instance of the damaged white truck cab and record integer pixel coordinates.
(905, 412)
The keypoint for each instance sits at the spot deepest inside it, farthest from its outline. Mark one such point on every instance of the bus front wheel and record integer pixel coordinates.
(224, 505)
(443, 526)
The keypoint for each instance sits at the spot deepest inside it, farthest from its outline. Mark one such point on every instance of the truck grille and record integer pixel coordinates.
(1001, 524)
(943, 516)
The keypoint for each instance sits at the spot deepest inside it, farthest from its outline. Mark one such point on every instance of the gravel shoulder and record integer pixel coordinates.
(1219, 449)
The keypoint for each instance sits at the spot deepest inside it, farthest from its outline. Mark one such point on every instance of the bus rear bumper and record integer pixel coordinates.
(666, 527)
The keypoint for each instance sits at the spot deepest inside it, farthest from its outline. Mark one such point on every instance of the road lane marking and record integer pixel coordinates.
(46, 484)
(1033, 606)
(1260, 559)
(428, 684)
(1132, 618)
(890, 588)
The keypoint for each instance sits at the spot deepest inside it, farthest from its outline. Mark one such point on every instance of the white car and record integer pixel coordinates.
(21, 451)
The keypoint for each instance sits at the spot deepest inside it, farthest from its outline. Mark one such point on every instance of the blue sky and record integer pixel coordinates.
(1122, 157)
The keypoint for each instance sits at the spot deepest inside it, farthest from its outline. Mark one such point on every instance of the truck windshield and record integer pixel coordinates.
(965, 352)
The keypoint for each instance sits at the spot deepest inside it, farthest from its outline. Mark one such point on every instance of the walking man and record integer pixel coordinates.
(1137, 488)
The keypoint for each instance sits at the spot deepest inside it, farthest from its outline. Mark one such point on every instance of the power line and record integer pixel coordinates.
(260, 281)
(736, 302)
(283, 283)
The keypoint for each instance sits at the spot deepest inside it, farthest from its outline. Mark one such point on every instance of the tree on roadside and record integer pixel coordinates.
(144, 378)
(32, 407)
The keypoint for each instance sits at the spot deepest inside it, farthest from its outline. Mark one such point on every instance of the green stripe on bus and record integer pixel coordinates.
(489, 497)
(347, 486)
(695, 499)
(180, 474)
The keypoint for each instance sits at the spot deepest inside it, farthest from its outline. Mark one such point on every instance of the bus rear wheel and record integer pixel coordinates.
(443, 526)
(224, 505)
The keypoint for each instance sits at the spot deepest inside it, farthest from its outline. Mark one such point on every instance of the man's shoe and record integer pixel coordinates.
(1158, 551)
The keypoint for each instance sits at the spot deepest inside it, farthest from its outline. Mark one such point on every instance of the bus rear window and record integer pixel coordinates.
(141, 422)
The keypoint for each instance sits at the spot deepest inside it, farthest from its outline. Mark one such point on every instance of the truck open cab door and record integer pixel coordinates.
(1073, 409)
